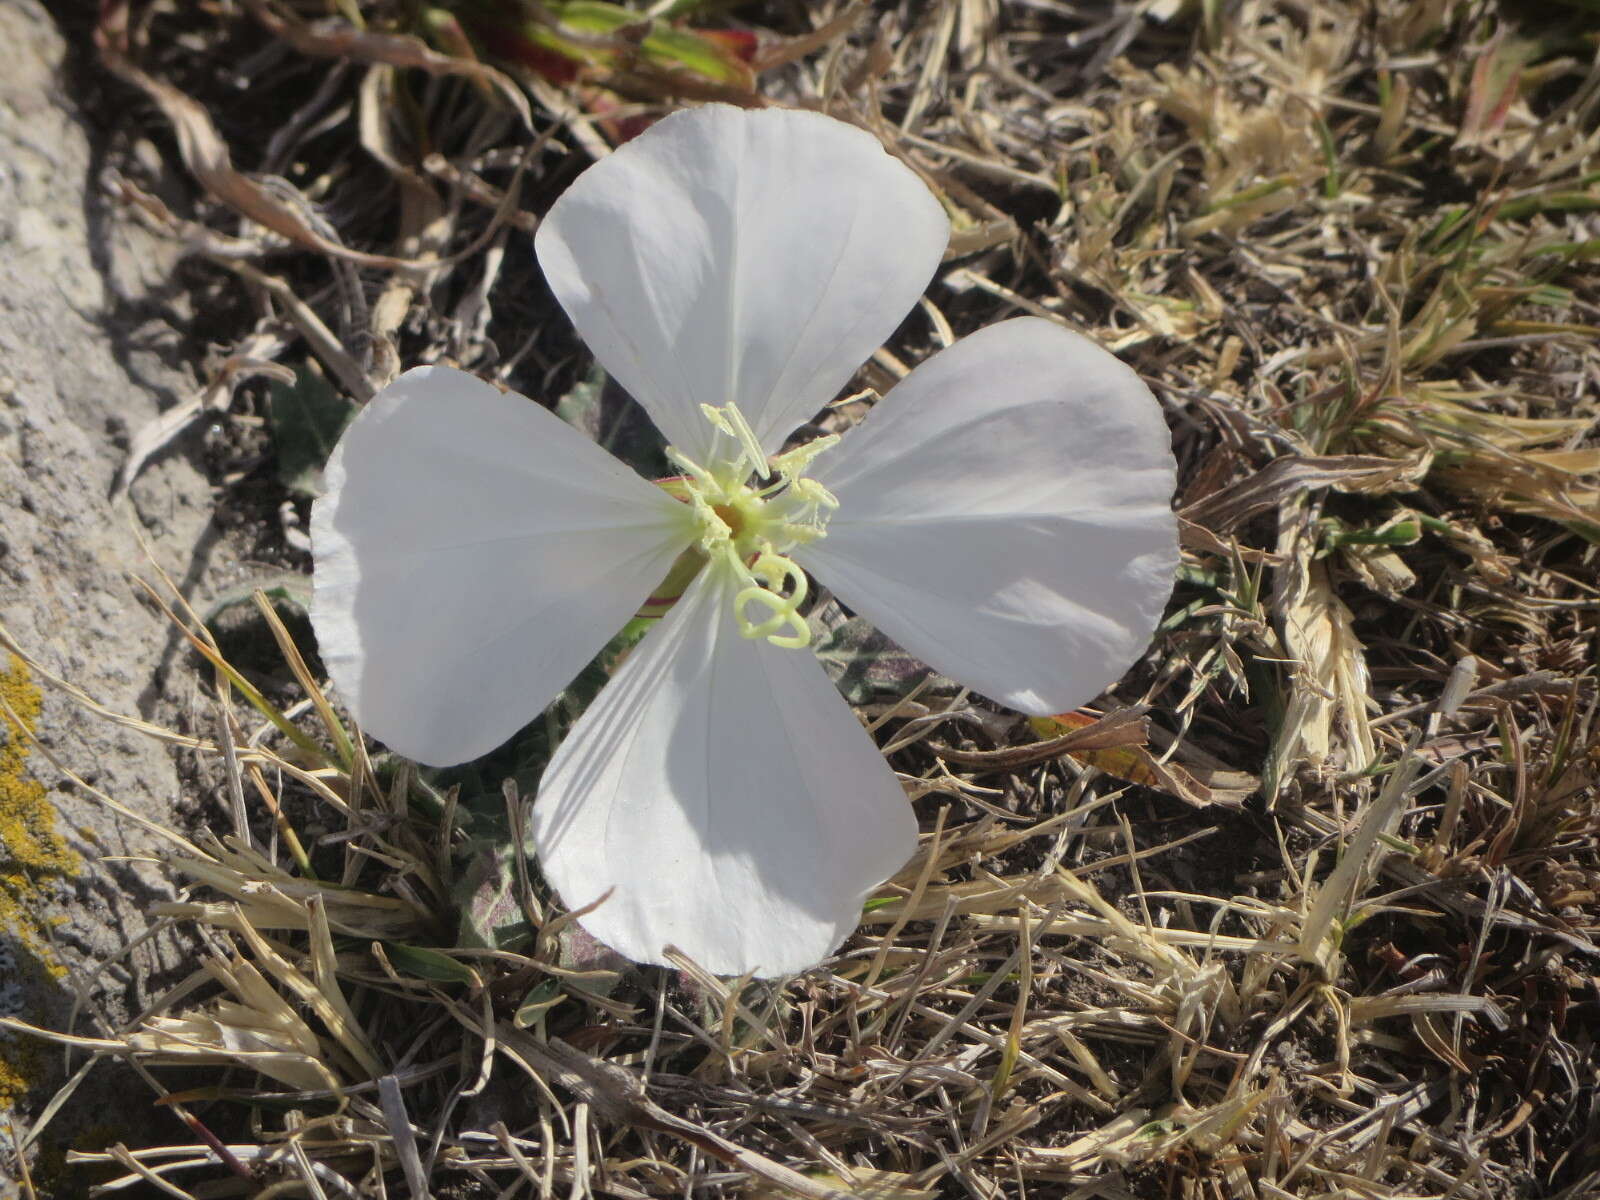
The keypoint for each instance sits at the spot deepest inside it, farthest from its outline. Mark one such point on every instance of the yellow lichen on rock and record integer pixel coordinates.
(33, 854)
(32, 850)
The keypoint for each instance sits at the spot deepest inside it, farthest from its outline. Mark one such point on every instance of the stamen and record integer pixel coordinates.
(793, 464)
(749, 529)
(698, 474)
(731, 421)
(813, 490)
(777, 574)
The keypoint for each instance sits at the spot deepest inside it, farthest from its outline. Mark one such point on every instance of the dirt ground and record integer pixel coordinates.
(91, 349)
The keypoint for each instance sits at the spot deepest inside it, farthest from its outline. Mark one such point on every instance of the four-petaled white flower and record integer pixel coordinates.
(1003, 513)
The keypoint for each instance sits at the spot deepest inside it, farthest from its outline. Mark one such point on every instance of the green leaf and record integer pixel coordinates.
(306, 418)
(596, 971)
(1398, 531)
(580, 407)
(429, 964)
(687, 8)
(489, 911)
(491, 916)
(661, 44)
(541, 998)
(287, 591)
(601, 408)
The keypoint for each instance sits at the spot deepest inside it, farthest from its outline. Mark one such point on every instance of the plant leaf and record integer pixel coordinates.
(489, 913)
(306, 418)
(599, 407)
(491, 917)
(1134, 763)
(429, 964)
(864, 664)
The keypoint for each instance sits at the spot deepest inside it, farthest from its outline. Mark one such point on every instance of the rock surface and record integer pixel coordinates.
(74, 379)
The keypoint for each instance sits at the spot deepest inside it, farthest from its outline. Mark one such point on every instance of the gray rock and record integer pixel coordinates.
(66, 395)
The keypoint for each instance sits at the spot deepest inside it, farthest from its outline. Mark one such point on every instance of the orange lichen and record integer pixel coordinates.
(21, 1065)
(33, 855)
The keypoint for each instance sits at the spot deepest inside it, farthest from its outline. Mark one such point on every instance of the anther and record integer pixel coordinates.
(731, 421)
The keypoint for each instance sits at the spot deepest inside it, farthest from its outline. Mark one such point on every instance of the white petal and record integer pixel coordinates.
(473, 552)
(726, 255)
(1005, 515)
(723, 793)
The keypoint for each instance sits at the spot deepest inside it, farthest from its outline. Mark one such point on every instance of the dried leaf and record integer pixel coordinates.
(1132, 762)
(1289, 476)
(251, 359)
(1069, 733)
(207, 158)
(333, 40)
(1329, 684)
(1496, 76)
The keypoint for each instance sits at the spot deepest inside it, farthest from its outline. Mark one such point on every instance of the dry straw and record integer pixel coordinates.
(1329, 932)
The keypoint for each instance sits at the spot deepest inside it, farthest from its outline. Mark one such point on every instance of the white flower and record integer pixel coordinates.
(1004, 514)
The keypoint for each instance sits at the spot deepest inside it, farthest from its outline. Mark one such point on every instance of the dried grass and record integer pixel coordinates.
(1350, 246)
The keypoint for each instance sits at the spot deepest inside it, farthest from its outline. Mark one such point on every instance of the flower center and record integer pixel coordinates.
(752, 512)
(732, 517)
